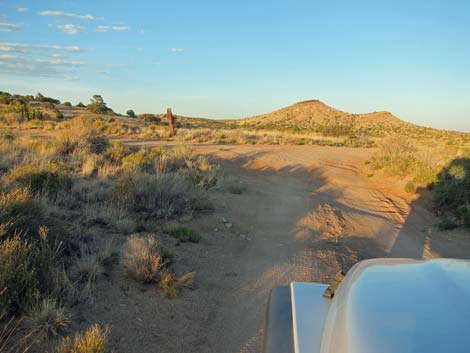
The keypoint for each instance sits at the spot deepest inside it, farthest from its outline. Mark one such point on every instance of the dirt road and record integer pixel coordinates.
(306, 213)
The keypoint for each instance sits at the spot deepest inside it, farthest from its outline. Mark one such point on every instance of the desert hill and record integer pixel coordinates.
(310, 116)
(314, 115)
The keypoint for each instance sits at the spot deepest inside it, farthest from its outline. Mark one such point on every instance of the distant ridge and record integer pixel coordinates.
(312, 115)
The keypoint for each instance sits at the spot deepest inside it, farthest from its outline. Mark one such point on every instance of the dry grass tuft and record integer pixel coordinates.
(173, 285)
(92, 341)
(142, 258)
(49, 317)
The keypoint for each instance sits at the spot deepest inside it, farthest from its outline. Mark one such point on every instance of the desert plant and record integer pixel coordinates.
(130, 113)
(235, 188)
(28, 269)
(338, 127)
(117, 151)
(87, 268)
(58, 114)
(98, 106)
(410, 187)
(17, 275)
(20, 212)
(151, 118)
(9, 340)
(93, 340)
(452, 192)
(162, 196)
(142, 258)
(172, 285)
(49, 317)
(81, 136)
(50, 180)
(41, 98)
(185, 234)
(138, 161)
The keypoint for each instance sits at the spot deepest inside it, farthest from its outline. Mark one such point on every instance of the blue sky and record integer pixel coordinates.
(227, 59)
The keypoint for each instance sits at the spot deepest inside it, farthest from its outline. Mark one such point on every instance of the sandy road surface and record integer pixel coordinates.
(298, 201)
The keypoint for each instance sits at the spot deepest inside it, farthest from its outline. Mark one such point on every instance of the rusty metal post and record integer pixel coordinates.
(171, 122)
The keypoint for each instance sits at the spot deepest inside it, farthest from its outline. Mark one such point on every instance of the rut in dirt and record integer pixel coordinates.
(302, 228)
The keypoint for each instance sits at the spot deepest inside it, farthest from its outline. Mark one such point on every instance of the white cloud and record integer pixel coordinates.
(61, 62)
(10, 27)
(40, 67)
(120, 28)
(103, 28)
(176, 50)
(118, 65)
(22, 9)
(31, 48)
(70, 28)
(102, 72)
(68, 15)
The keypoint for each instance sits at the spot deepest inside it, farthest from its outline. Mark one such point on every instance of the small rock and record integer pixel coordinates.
(224, 220)
(229, 225)
(216, 229)
(243, 236)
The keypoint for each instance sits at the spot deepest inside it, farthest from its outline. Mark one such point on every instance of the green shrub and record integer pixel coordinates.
(82, 137)
(20, 212)
(173, 285)
(117, 151)
(27, 112)
(410, 187)
(58, 114)
(337, 127)
(235, 188)
(160, 196)
(98, 106)
(185, 234)
(199, 201)
(138, 161)
(18, 279)
(452, 191)
(67, 104)
(447, 223)
(49, 317)
(7, 135)
(50, 180)
(43, 99)
(151, 118)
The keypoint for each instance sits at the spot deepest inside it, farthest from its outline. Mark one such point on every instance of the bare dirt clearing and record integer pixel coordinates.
(306, 213)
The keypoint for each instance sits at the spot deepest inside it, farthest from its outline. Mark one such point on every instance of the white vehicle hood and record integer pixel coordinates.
(394, 305)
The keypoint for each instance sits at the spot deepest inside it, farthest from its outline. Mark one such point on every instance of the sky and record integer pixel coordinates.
(233, 59)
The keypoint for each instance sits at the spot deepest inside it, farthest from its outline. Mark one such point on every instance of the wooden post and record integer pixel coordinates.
(171, 122)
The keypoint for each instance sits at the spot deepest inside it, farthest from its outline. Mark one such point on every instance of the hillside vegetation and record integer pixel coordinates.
(70, 207)
(316, 116)
(414, 153)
